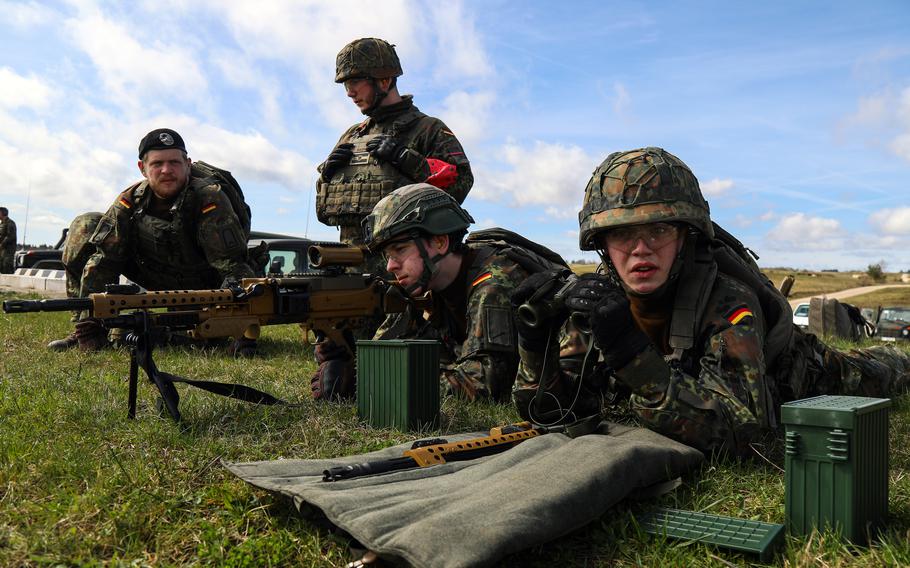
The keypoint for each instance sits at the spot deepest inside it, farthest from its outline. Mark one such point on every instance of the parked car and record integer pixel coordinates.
(801, 316)
(287, 255)
(893, 324)
(51, 258)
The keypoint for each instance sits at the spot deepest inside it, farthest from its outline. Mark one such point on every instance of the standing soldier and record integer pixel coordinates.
(396, 145)
(177, 229)
(682, 322)
(419, 231)
(7, 241)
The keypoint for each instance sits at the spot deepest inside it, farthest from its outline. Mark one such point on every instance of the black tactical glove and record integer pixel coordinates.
(607, 312)
(412, 164)
(91, 335)
(539, 318)
(386, 149)
(339, 158)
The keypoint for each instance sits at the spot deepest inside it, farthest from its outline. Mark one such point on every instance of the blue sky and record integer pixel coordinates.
(794, 116)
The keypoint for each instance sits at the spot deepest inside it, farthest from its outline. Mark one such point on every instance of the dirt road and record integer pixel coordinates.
(841, 294)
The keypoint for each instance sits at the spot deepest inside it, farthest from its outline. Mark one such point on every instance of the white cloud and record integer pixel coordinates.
(768, 216)
(250, 156)
(892, 221)
(807, 232)
(241, 71)
(458, 43)
(17, 91)
(467, 114)
(742, 221)
(132, 70)
(543, 174)
(26, 14)
(716, 187)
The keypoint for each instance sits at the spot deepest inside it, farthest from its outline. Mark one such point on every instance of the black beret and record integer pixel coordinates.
(161, 139)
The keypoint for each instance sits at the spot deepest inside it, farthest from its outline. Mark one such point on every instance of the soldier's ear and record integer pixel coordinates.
(440, 243)
(142, 169)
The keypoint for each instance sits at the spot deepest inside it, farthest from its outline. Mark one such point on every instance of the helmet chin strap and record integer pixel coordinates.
(378, 96)
(430, 265)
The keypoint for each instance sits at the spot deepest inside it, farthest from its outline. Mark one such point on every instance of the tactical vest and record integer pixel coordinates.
(354, 190)
(166, 252)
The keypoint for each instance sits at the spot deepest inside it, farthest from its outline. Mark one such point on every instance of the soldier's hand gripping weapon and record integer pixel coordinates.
(327, 302)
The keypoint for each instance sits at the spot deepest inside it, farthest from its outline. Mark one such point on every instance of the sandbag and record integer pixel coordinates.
(472, 513)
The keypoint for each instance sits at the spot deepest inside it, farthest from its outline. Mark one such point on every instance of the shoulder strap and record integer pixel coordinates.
(691, 298)
(230, 187)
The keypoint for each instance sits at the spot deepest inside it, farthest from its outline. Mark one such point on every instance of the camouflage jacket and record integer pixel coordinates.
(720, 395)
(425, 136)
(196, 244)
(7, 234)
(473, 320)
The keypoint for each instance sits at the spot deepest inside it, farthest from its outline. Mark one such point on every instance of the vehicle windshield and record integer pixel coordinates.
(895, 314)
(802, 310)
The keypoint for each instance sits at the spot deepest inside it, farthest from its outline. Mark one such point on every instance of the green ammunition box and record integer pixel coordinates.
(836, 464)
(398, 383)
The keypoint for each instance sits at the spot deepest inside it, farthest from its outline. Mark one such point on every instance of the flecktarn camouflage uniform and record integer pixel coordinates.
(473, 317)
(7, 245)
(196, 245)
(722, 390)
(479, 357)
(350, 193)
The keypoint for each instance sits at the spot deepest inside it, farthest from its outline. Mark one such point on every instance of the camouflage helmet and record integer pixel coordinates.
(411, 209)
(647, 185)
(367, 57)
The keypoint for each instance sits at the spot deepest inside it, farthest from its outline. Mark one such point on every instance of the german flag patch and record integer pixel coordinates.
(739, 314)
(125, 203)
(482, 278)
(209, 208)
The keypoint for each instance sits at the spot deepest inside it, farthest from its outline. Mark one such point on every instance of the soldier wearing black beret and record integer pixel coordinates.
(175, 229)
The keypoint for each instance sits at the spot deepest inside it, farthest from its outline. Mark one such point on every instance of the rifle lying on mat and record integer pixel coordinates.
(329, 303)
(424, 453)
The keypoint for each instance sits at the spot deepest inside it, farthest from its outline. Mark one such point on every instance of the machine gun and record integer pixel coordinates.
(328, 302)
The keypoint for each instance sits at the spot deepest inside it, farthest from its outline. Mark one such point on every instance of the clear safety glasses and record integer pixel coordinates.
(654, 235)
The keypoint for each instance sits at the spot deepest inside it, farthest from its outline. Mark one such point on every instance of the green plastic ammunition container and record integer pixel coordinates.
(398, 383)
(836, 464)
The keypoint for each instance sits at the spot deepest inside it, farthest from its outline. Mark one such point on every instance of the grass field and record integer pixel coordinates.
(82, 485)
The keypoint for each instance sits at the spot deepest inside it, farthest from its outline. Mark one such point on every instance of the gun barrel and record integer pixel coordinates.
(22, 306)
(323, 256)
